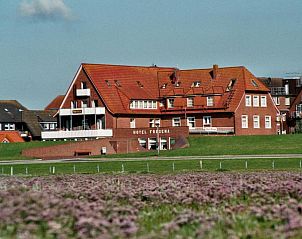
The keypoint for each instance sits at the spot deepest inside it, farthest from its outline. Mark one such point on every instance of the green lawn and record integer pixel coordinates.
(13, 151)
(233, 145)
(151, 166)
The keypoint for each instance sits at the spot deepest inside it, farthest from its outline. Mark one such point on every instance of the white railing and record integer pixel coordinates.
(83, 111)
(278, 90)
(83, 92)
(217, 130)
(62, 134)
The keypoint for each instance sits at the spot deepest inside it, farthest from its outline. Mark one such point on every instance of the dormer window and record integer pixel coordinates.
(170, 103)
(210, 101)
(177, 84)
(190, 102)
(143, 104)
(164, 86)
(196, 84)
(231, 84)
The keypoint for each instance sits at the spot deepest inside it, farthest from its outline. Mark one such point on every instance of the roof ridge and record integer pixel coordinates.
(201, 69)
(131, 66)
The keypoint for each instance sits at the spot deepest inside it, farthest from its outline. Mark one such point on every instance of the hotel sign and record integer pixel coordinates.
(77, 111)
(150, 131)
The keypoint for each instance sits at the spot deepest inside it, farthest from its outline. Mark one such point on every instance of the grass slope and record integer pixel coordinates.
(13, 151)
(233, 145)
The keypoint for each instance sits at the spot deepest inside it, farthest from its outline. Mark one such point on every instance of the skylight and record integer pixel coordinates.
(254, 83)
(139, 84)
(107, 82)
(117, 83)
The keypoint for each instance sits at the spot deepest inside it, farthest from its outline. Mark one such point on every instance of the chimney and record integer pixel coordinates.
(215, 71)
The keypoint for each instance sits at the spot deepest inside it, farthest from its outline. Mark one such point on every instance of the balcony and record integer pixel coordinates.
(83, 92)
(75, 134)
(212, 130)
(278, 91)
(83, 111)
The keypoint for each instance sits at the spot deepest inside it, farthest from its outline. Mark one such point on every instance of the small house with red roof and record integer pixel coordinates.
(150, 103)
(10, 137)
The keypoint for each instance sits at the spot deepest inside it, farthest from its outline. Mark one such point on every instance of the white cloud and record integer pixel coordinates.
(45, 9)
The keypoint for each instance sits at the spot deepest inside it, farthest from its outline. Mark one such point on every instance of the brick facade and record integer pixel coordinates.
(84, 148)
(251, 111)
(133, 97)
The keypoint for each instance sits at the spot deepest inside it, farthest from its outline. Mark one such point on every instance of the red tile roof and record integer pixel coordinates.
(122, 84)
(55, 103)
(10, 136)
(119, 84)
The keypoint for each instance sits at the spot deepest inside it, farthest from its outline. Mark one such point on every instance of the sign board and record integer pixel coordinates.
(77, 111)
(150, 131)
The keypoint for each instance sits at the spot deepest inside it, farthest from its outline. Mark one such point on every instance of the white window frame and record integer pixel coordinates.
(152, 141)
(244, 121)
(82, 104)
(176, 122)
(132, 123)
(268, 122)
(153, 122)
(256, 100)
(140, 104)
(143, 104)
(210, 101)
(248, 100)
(276, 100)
(9, 127)
(190, 102)
(92, 104)
(142, 142)
(191, 120)
(131, 104)
(73, 104)
(170, 103)
(46, 126)
(83, 83)
(154, 104)
(263, 101)
(207, 121)
(287, 101)
(149, 104)
(256, 121)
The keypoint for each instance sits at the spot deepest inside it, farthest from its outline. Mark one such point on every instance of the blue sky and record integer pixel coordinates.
(43, 42)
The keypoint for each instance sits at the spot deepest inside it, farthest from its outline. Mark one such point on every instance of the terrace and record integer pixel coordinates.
(278, 90)
(79, 123)
(74, 134)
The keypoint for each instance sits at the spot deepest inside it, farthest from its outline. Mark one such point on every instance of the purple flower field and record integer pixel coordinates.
(191, 205)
